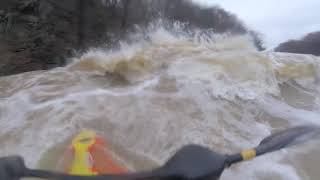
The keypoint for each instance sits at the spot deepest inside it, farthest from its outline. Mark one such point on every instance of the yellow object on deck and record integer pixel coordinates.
(89, 155)
(81, 163)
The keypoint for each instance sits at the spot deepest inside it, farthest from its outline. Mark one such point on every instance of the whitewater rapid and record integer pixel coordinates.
(166, 89)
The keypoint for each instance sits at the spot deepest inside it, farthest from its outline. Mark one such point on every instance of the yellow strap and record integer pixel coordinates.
(248, 154)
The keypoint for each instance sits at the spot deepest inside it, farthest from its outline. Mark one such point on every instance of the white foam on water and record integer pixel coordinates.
(168, 89)
(282, 110)
(265, 167)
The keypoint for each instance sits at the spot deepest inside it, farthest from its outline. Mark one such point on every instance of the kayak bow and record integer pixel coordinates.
(90, 155)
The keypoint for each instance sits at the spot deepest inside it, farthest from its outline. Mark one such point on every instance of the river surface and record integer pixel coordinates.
(163, 90)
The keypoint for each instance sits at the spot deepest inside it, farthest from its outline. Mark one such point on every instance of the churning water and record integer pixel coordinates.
(165, 89)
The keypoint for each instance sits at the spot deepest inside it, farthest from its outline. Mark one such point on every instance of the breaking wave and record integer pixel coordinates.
(162, 89)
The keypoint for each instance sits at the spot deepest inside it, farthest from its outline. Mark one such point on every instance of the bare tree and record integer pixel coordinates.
(81, 23)
(126, 4)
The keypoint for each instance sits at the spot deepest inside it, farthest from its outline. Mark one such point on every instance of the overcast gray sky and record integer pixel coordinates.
(277, 20)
